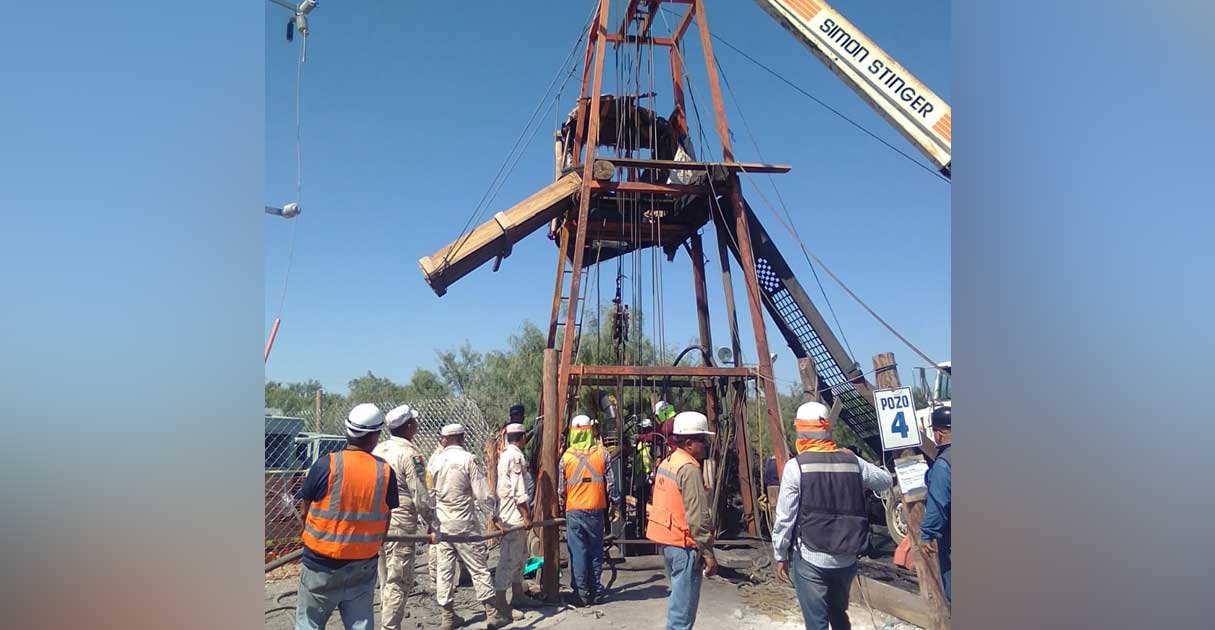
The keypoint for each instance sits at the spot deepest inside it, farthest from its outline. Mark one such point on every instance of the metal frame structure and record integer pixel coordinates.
(573, 233)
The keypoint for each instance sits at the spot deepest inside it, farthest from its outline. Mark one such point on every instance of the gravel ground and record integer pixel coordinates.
(636, 600)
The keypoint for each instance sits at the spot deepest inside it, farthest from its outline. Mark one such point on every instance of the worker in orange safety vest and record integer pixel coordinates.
(348, 497)
(679, 518)
(588, 487)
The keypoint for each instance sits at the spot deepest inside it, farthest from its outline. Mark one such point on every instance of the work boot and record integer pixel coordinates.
(449, 620)
(520, 598)
(493, 617)
(504, 608)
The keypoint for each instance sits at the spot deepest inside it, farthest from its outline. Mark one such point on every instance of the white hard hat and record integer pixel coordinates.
(399, 416)
(812, 411)
(645, 422)
(580, 421)
(514, 427)
(691, 423)
(363, 419)
(452, 429)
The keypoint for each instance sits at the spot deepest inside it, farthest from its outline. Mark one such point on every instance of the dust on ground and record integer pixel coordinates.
(635, 599)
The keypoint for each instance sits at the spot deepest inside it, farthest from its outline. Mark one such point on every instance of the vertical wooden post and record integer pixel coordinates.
(546, 483)
(932, 589)
(805, 369)
(317, 412)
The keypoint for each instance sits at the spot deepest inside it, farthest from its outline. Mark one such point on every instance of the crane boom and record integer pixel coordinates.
(917, 112)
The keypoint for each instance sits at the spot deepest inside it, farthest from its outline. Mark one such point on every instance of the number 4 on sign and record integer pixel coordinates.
(899, 425)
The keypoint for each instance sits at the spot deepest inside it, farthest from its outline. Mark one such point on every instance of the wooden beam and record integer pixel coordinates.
(932, 589)
(677, 189)
(733, 167)
(497, 235)
(809, 377)
(546, 481)
(659, 370)
(891, 600)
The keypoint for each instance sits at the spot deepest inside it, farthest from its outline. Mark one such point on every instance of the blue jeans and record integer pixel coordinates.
(350, 589)
(821, 593)
(684, 570)
(584, 537)
(943, 549)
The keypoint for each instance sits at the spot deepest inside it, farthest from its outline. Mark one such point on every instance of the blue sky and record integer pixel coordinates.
(409, 109)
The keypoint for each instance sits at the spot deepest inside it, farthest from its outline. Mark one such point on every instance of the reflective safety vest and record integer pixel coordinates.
(585, 481)
(832, 516)
(667, 520)
(814, 435)
(349, 523)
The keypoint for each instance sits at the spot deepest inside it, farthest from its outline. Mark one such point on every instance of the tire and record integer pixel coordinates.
(896, 516)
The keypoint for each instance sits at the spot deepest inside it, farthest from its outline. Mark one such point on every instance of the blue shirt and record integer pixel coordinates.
(316, 486)
(936, 525)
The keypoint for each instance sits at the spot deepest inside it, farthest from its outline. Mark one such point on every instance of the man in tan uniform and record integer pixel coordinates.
(396, 558)
(459, 485)
(513, 511)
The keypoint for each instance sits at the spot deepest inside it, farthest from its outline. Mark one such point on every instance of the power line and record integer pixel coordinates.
(832, 109)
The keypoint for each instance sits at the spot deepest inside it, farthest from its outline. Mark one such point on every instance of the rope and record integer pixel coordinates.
(829, 108)
(499, 178)
(781, 199)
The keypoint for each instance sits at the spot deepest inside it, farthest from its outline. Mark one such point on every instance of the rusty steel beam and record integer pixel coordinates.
(685, 22)
(679, 189)
(659, 370)
(584, 207)
(617, 38)
(733, 167)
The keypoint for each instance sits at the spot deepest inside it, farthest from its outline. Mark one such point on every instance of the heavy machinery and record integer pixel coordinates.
(648, 192)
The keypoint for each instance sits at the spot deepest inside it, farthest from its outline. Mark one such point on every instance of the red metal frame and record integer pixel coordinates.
(576, 226)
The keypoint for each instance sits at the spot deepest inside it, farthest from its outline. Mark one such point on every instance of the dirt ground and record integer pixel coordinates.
(636, 599)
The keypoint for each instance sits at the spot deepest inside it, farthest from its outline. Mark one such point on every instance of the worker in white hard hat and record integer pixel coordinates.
(586, 487)
(348, 496)
(513, 511)
(679, 518)
(459, 488)
(821, 522)
(396, 558)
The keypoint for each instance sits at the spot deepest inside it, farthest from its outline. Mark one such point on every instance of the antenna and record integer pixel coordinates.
(299, 22)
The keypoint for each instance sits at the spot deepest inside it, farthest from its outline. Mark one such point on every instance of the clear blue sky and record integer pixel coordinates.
(409, 109)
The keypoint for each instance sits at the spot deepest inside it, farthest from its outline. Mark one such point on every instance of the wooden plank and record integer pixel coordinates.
(891, 600)
(546, 481)
(498, 234)
(749, 167)
(659, 370)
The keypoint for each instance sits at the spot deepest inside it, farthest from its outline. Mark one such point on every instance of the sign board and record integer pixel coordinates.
(897, 423)
(910, 472)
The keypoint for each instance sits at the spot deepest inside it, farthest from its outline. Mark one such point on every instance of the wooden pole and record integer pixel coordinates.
(932, 589)
(317, 412)
(546, 483)
(805, 368)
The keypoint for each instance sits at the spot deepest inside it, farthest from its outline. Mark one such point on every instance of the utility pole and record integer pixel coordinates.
(546, 483)
(932, 589)
(316, 414)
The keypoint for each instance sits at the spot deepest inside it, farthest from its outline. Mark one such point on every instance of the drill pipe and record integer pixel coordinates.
(426, 538)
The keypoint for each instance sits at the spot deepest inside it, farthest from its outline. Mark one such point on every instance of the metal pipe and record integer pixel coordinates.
(436, 537)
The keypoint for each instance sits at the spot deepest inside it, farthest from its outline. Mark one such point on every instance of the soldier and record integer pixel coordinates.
(513, 511)
(459, 485)
(396, 558)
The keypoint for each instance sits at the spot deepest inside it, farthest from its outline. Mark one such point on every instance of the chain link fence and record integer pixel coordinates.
(293, 443)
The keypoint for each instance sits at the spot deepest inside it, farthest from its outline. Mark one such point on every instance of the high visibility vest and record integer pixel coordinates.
(667, 521)
(349, 523)
(814, 435)
(832, 516)
(585, 478)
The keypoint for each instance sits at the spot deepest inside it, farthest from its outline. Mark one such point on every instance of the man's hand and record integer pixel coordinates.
(527, 522)
(929, 547)
(710, 566)
(782, 571)
(611, 513)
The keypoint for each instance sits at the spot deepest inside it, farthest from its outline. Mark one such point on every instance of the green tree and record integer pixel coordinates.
(461, 369)
(424, 384)
(375, 389)
(292, 398)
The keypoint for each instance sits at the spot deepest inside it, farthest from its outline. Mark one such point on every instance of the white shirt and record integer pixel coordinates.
(785, 527)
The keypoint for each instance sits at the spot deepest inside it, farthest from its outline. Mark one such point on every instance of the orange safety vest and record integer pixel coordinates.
(350, 522)
(667, 520)
(814, 435)
(585, 485)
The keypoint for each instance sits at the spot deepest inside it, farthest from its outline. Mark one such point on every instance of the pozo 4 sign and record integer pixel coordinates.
(896, 418)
